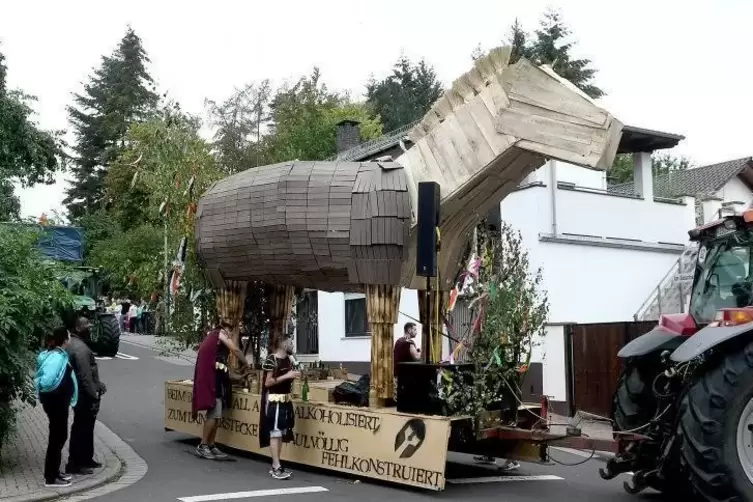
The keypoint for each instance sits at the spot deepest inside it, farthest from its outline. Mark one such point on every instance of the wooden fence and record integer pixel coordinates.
(592, 363)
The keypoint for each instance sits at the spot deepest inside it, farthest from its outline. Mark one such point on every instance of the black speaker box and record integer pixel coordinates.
(417, 386)
(428, 220)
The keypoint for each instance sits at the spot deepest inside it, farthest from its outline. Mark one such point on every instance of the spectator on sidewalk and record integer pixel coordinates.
(81, 449)
(125, 306)
(133, 318)
(58, 390)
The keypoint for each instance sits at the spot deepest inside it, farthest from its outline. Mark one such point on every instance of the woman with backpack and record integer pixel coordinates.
(58, 391)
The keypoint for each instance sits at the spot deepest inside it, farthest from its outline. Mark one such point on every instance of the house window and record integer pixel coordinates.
(356, 322)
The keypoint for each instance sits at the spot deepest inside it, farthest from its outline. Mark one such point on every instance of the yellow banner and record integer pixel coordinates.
(375, 443)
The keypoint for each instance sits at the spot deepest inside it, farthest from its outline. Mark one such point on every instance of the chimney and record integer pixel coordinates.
(348, 135)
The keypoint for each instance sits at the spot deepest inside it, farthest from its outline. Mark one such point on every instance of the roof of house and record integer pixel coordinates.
(634, 139)
(697, 181)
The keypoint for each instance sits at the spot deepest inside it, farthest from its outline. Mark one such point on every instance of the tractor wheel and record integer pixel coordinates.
(108, 342)
(716, 426)
(634, 403)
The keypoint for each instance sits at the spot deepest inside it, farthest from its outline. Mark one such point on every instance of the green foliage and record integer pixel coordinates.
(304, 117)
(405, 95)
(10, 205)
(28, 154)
(130, 260)
(549, 46)
(514, 309)
(661, 165)
(241, 121)
(31, 297)
(119, 93)
(167, 153)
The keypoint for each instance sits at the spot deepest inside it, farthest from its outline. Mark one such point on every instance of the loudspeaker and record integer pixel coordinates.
(417, 386)
(428, 220)
(494, 218)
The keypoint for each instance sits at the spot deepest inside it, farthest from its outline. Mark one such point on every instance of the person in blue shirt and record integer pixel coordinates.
(57, 389)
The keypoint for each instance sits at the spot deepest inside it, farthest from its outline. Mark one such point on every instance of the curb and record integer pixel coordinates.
(123, 468)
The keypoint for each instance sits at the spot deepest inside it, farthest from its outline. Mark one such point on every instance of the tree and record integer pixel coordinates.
(10, 205)
(28, 154)
(511, 308)
(240, 121)
(130, 260)
(405, 95)
(120, 93)
(661, 165)
(550, 47)
(304, 118)
(31, 297)
(175, 166)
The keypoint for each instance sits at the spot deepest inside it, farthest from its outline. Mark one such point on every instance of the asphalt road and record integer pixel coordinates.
(133, 409)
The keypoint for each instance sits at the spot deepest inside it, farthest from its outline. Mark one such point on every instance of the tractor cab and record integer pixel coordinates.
(723, 283)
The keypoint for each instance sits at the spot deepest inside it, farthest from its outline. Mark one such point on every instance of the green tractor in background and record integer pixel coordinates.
(66, 245)
(84, 283)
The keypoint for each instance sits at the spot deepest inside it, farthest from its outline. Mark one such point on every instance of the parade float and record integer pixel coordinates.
(354, 227)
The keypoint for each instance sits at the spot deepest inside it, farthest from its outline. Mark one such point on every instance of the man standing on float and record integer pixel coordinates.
(277, 416)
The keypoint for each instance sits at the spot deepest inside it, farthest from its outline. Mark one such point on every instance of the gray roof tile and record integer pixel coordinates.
(693, 182)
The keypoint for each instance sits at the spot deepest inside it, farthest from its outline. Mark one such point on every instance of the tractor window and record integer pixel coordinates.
(724, 280)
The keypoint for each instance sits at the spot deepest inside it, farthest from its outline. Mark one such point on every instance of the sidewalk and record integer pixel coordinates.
(22, 461)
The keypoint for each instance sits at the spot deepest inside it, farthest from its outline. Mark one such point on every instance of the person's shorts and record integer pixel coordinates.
(216, 412)
(279, 418)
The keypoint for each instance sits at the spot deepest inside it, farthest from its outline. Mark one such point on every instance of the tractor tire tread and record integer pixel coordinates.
(703, 412)
(634, 403)
(108, 343)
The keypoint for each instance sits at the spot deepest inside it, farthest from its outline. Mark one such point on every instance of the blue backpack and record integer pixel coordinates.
(51, 368)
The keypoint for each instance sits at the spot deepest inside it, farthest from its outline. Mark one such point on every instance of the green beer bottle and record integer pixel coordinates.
(305, 389)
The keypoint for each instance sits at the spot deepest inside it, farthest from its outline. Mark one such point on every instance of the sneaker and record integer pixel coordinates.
(509, 465)
(93, 465)
(218, 454)
(58, 483)
(280, 473)
(64, 476)
(204, 452)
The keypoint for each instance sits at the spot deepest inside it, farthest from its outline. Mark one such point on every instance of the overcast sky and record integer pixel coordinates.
(680, 66)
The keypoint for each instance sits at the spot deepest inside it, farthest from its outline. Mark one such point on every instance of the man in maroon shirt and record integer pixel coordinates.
(405, 350)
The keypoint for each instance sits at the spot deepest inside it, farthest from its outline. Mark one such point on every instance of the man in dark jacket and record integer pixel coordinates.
(90, 389)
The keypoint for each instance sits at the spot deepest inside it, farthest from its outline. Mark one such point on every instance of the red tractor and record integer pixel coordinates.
(684, 404)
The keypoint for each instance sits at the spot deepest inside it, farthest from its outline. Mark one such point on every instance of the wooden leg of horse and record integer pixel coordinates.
(382, 304)
(432, 339)
(280, 304)
(230, 304)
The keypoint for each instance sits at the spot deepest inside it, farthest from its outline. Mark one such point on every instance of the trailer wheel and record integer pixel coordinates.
(716, 425)
(634, 403)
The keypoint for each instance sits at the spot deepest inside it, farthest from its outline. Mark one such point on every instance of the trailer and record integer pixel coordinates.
(354, 226)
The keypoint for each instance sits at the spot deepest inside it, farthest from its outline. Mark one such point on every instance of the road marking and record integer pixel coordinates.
(255, 493)
(103, 358)
(503, 479)
(120, 355)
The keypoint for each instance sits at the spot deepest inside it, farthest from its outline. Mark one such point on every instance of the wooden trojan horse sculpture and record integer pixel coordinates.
(348, 226)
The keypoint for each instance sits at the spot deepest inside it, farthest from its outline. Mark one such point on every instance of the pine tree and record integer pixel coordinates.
(405, 95)
(549, 46)
(119, 93)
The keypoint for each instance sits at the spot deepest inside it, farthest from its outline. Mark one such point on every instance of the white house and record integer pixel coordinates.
(603, 250)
